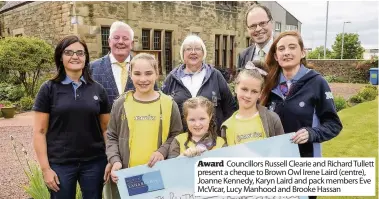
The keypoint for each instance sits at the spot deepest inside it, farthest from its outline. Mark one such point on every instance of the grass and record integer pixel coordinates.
(359, 137)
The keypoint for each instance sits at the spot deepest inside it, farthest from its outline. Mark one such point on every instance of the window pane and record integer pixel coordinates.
(157, 40)
(224, 42)
(217, 47)
(104, 40)
(145, 39)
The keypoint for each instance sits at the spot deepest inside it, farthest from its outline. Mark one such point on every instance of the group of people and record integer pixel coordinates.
(93, 119)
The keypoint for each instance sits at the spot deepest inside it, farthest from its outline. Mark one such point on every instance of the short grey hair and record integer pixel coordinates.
(117, 25)
(192, 39)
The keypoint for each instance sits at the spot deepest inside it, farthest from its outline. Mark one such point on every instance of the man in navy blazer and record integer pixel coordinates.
(259, 24)
(107, 70)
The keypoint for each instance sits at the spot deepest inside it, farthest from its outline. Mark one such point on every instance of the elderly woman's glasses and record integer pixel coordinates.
(79, 53)
(261, 24)
(193, 49)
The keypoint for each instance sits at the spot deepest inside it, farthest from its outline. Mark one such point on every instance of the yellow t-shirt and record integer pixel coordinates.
(244, 130)
(146, 118)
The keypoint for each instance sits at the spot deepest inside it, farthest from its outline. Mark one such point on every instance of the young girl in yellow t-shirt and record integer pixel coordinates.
(143, 122)
(199, 116)
(252, 121)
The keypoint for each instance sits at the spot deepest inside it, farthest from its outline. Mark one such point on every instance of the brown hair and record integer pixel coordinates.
(273, 65)
(62, 45)
(256, 5)
(203, 102)
(148, 57)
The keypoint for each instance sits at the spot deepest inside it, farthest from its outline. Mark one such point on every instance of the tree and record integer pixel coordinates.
(352, 48)
(318, 52)
(26, 58)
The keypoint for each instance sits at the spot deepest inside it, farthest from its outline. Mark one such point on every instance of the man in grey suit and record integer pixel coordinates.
(259, 24)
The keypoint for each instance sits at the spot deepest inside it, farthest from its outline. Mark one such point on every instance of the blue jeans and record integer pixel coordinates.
(89, 175)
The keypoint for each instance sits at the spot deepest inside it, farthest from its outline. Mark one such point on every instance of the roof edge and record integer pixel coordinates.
(15, 6)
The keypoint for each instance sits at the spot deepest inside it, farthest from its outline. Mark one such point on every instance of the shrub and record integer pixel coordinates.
(334, 79)
(26, 103)
(5, 103)
(26, 58)
(11, 92)
(356, 99)
(369, 92)
(367, 64)
(232, 87)
(340, 103)
(17, 93)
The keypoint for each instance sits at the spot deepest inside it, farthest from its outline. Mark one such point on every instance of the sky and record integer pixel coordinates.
(363, 16)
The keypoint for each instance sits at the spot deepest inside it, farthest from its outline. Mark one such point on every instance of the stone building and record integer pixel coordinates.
(159, 27)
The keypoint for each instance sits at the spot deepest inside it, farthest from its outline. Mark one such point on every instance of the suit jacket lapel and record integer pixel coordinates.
(107, 65)
(250, 54)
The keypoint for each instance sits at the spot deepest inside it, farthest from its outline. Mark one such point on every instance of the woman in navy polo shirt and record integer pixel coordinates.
(71, 116)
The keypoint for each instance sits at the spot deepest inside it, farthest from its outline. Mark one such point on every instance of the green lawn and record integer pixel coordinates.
(359, 137)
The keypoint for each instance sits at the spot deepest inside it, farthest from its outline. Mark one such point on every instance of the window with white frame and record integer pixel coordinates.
(278, 27)
(291, 27)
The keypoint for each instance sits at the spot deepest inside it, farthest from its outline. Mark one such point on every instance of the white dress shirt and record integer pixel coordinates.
(116, 69)
(193, 82)
(265, 49)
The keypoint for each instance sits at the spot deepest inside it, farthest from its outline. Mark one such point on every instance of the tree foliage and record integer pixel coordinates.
(26, 58)
(352, 48)
(318, 52)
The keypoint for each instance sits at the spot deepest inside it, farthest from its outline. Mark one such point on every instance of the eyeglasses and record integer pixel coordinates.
(79, 53)
(261, 24)
(193, 49)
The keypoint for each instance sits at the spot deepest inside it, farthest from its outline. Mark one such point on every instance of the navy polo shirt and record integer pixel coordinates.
(74, 133)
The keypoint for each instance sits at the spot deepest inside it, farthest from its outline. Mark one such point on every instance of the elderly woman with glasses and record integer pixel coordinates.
(196, 78)
(70, 121)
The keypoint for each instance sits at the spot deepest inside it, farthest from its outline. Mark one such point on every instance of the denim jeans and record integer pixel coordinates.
(89, 174)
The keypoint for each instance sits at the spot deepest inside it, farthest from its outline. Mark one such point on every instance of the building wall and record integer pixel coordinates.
(47, 20)
(180, 18)
(278, 14)
(52, 21)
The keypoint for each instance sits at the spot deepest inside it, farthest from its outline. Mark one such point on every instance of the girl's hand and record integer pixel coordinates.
(155, 157)
(107, 173)
(194, 151)
(300, 137)
(116, 166)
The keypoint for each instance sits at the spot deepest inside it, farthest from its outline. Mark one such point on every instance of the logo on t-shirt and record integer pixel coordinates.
(95, 97)
(249, 136)
(329, 95)
(147, 117)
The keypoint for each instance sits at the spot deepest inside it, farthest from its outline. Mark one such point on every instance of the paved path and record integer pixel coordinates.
(23, 119)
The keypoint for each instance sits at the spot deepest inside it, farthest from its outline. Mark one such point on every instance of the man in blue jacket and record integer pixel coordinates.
(112, 70)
